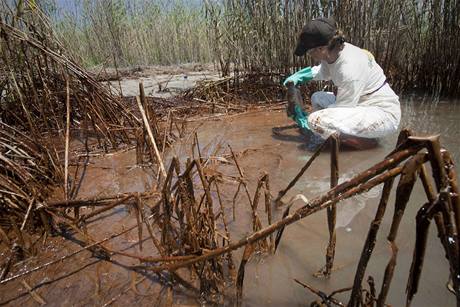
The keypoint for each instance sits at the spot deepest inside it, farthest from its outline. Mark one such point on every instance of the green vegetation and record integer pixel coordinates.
(137, 32)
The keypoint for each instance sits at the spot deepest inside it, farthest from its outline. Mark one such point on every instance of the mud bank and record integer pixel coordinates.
(159, 81)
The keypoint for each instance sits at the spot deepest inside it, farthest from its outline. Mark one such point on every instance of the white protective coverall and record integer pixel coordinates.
(365, 105)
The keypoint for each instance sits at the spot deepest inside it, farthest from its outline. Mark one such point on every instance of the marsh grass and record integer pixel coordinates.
(417, 43)
(137, 32)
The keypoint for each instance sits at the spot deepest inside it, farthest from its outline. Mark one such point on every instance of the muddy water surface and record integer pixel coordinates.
(269, 280)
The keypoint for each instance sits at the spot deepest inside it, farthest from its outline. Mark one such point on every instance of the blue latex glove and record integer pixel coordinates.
(300, 117)
(304, 75)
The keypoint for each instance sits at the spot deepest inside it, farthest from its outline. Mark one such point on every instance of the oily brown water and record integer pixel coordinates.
(269, 279)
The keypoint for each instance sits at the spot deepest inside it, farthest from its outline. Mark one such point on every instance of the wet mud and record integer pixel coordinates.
(269, 279)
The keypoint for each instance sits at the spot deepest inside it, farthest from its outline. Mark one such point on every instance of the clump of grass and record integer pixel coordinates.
(135, 32)
(45, 98)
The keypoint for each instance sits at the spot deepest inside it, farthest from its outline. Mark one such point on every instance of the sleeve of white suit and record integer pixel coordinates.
(320, 72)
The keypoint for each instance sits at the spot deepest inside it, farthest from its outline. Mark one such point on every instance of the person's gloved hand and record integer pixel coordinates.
(302, 76)
(300, 117)
(294, 109)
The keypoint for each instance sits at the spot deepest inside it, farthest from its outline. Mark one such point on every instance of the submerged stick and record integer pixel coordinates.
(248, 251)
(240, 171)
(197, 143)
(369, 245)
(324, 297)
(332, 210)
(423, 219)
(149, 229)
(137, 211)
(106, 208)
(234, 201)
(13, 254)
(92, 202)
(256, 223)
(33, 293)
(302, 171)
(431, 196)
(268, 210)
(279, 234)
(403, 192)
(231, 265)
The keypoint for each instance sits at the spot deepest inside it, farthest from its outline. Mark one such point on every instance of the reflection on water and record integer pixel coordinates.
(349, 208)
(428, 115)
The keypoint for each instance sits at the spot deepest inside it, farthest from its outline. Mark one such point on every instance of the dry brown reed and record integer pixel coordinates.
(28, 172)
(46, 101)
(232, 91)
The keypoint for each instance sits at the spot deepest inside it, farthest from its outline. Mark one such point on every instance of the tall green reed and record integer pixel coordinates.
(137, 32)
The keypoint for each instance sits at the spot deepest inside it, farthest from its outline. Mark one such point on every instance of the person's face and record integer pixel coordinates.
(319, 53)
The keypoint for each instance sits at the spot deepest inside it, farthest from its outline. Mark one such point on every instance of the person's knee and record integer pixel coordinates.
(319, 123)
(322, 100)
(316, 100)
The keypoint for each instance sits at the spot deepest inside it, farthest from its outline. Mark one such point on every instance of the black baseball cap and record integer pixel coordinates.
(316, 33)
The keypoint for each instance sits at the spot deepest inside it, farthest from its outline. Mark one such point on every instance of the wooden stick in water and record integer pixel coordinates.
(152, 139)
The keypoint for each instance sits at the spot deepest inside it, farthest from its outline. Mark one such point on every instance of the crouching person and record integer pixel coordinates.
(365, 107)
